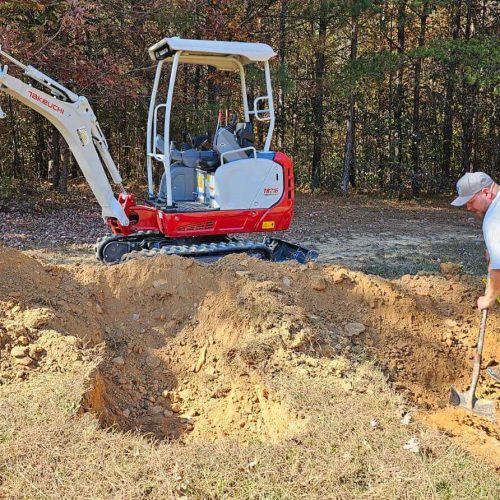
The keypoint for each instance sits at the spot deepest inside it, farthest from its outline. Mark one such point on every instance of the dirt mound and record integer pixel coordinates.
(190, 351)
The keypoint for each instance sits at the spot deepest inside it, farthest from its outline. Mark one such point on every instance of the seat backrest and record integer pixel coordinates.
(225, 141)
(245, 135)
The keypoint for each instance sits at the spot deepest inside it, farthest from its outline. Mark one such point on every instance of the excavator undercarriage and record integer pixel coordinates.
(114, 249)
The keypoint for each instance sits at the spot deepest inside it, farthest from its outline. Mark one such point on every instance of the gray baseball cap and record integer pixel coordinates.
(469, 185)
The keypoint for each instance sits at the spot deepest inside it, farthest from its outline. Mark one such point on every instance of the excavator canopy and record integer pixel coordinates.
(224, 56)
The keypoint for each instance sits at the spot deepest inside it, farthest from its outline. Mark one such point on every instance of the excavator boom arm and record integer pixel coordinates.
(77, 123)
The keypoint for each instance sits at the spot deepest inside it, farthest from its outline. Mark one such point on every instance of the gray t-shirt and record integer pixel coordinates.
(491, 232)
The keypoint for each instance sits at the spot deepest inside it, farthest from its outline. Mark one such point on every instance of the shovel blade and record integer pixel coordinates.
(481, 407)
(457, 398)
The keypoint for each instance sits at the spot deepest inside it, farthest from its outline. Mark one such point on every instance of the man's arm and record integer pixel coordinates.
(492, 290)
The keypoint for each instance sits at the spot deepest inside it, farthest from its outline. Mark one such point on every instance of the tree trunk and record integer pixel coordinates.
(281, 118)
(196, 89)
(493, 140)
(398, 111)
(415, 145)
(449, 97)
(348, 161)
(390, 136)
(16, 170)
(317, 108)
(212, 90)
(469, 95)
(40, 159)
(62, 185)
(55, 164)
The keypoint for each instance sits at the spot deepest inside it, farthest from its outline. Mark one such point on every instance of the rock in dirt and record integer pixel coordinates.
(318, 283)
(286, 281)
(152, 362)
(339, 277)
(156, 410)
(19, 331)
(119, 361)
(19, 351)
(160, 283)
(241, 274)
(300, 339)
(26, 361)
(406, 420)
(450, 268)
(36, 352)
(201, 359)
(353, 329)
(191, 414)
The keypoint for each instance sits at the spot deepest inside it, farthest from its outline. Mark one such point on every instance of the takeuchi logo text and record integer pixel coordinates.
(45, 102)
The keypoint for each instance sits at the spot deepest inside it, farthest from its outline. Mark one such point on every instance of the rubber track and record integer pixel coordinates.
(201, 250)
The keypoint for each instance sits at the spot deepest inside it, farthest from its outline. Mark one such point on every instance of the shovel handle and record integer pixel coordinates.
(477, 360)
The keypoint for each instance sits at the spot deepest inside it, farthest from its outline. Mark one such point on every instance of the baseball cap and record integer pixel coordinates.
(470, 184)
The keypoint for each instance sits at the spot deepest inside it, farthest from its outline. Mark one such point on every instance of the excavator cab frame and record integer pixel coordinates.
(224, 56)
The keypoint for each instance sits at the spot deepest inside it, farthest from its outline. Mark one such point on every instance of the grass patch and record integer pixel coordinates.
(46, 452)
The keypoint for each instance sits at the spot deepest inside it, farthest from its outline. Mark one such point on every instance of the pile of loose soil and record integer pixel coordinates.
(186, 351)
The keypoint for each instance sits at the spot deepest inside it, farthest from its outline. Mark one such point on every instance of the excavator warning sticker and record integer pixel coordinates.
(83, 135)
(268, 224)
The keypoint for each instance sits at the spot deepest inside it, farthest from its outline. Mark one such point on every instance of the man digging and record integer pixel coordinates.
(481, 195)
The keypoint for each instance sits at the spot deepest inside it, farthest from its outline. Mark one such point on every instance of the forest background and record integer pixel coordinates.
(395, 97)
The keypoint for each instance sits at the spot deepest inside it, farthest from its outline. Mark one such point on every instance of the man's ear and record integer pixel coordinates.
(487, 192)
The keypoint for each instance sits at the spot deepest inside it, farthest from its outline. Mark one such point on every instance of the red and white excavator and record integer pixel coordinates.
(211, 187)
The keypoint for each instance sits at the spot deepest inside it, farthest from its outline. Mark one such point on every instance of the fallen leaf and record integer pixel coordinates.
(406, 420)
(412, 445)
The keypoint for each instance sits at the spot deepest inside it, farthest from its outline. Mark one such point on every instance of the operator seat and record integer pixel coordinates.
(225, 141)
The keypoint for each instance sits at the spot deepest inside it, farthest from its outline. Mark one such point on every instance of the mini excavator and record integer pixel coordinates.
(206, 195)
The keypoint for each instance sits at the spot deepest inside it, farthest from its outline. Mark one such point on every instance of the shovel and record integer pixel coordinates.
(467, 400)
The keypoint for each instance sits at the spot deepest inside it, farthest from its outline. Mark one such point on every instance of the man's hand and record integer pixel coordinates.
(487, 300)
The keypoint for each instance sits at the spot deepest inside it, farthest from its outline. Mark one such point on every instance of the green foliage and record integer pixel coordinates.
(283, 78)
(6, 436)
(479, 58)
(371, 66)
(358, 7)
(5, 187)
